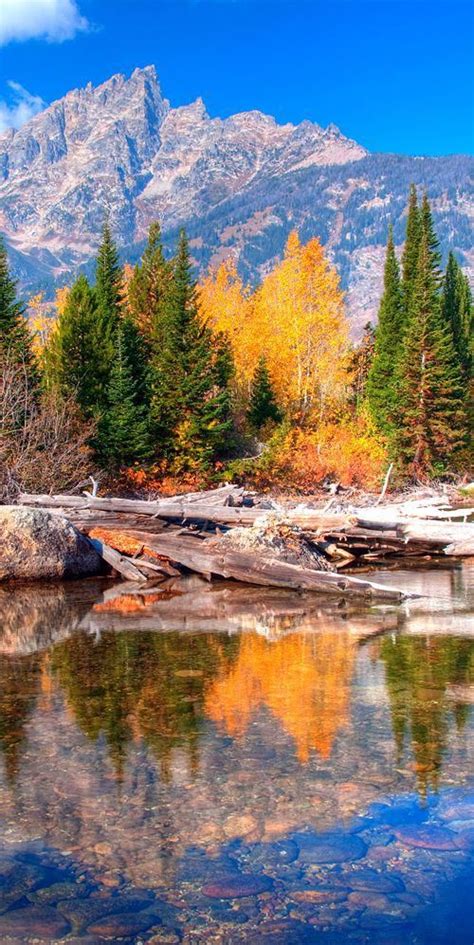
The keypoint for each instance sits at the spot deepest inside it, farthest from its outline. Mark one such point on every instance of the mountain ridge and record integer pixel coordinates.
(238, 184)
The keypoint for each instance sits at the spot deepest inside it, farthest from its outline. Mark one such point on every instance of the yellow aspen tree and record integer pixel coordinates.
(226, 305)
(302, 305)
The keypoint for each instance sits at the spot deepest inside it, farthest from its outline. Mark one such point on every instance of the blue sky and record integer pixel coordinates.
(396, 75)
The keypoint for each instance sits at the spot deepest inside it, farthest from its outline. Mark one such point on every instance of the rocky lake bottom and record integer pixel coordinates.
(217, 764)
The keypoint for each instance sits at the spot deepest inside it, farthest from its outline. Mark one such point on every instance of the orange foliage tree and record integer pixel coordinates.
(226, 305)
(295, 319)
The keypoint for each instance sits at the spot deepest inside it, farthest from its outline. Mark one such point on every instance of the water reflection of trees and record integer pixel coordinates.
(19, 688)
(162, 687)
(419, 671)
(303, 679)
(148, 685)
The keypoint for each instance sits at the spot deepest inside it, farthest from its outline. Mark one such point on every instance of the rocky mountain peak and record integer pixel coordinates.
(238, 183)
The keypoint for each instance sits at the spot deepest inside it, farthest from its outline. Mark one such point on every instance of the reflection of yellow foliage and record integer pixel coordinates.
(303, 679)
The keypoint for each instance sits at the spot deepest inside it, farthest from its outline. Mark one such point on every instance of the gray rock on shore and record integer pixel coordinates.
(37, 544)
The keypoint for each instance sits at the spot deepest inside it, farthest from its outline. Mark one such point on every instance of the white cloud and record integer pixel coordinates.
(53, 20)
(21, 106)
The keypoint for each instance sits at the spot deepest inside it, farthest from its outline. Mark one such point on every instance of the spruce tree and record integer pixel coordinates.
(456, 307)
(382, 394)
(466, 320)
(73, 358)
(411, 249)
(137, 353)
(123, 435)
(149, 286)
(108, 289)
(190, 376)
(263, 406)
(15, 339)
(432, 420)
(428, 230)
(108, 279)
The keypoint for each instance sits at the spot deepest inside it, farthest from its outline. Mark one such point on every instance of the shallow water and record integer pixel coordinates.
(219, 764)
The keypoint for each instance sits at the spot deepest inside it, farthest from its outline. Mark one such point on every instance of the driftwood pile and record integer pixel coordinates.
(300, 548)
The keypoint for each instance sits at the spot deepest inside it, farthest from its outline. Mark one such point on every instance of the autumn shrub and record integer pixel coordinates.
(162, 479)
(346, 451)
(44, 442)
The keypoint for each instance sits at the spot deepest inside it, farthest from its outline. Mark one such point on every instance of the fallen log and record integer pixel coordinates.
(437, 533)
(257, 569)
(123, 565)
(180, 508)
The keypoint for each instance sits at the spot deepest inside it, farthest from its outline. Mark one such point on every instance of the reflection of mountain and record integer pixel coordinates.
(418, 674)
(303, 679)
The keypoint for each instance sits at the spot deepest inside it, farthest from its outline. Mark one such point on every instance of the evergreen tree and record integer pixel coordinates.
(190, 374)
(427, 230)
(136, 351)
(263, 406)
(123, 436)
(108, 289)
(411, 249)
(149, 288)
(432, 421)
(456, 309)
(108, 280)
(73, 359)
(15, 339)
(382, 381)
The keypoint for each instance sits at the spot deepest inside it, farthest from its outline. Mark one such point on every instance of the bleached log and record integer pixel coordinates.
(439, 533)
(180, 508)
(119, 562)
(251, 568)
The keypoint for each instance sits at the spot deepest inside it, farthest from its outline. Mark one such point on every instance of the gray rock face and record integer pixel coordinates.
(38, 544)
(238, 184)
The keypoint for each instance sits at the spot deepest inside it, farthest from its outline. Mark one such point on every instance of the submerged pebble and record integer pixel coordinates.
(40, 922)
(330, 848)
(236, 887)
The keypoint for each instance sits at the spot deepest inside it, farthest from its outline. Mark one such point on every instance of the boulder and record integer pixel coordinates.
(35, 543)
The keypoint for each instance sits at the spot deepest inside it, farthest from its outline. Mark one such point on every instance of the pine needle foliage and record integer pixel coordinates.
(411, 250)
(73, 360)
(190, 375)
(123, 435)
(382, 381)
(263, 407)
(432, 420)
(15, 338)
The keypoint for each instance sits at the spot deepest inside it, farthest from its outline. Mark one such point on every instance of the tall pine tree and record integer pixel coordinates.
(411, 250)
(263, 406)
(73, 358)
(190, 376)
(108, 289)
(428, 230)
(123, 434)
(432, 420)
(15, 338)
(149, 288)
(382, 381)
(456, 306)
